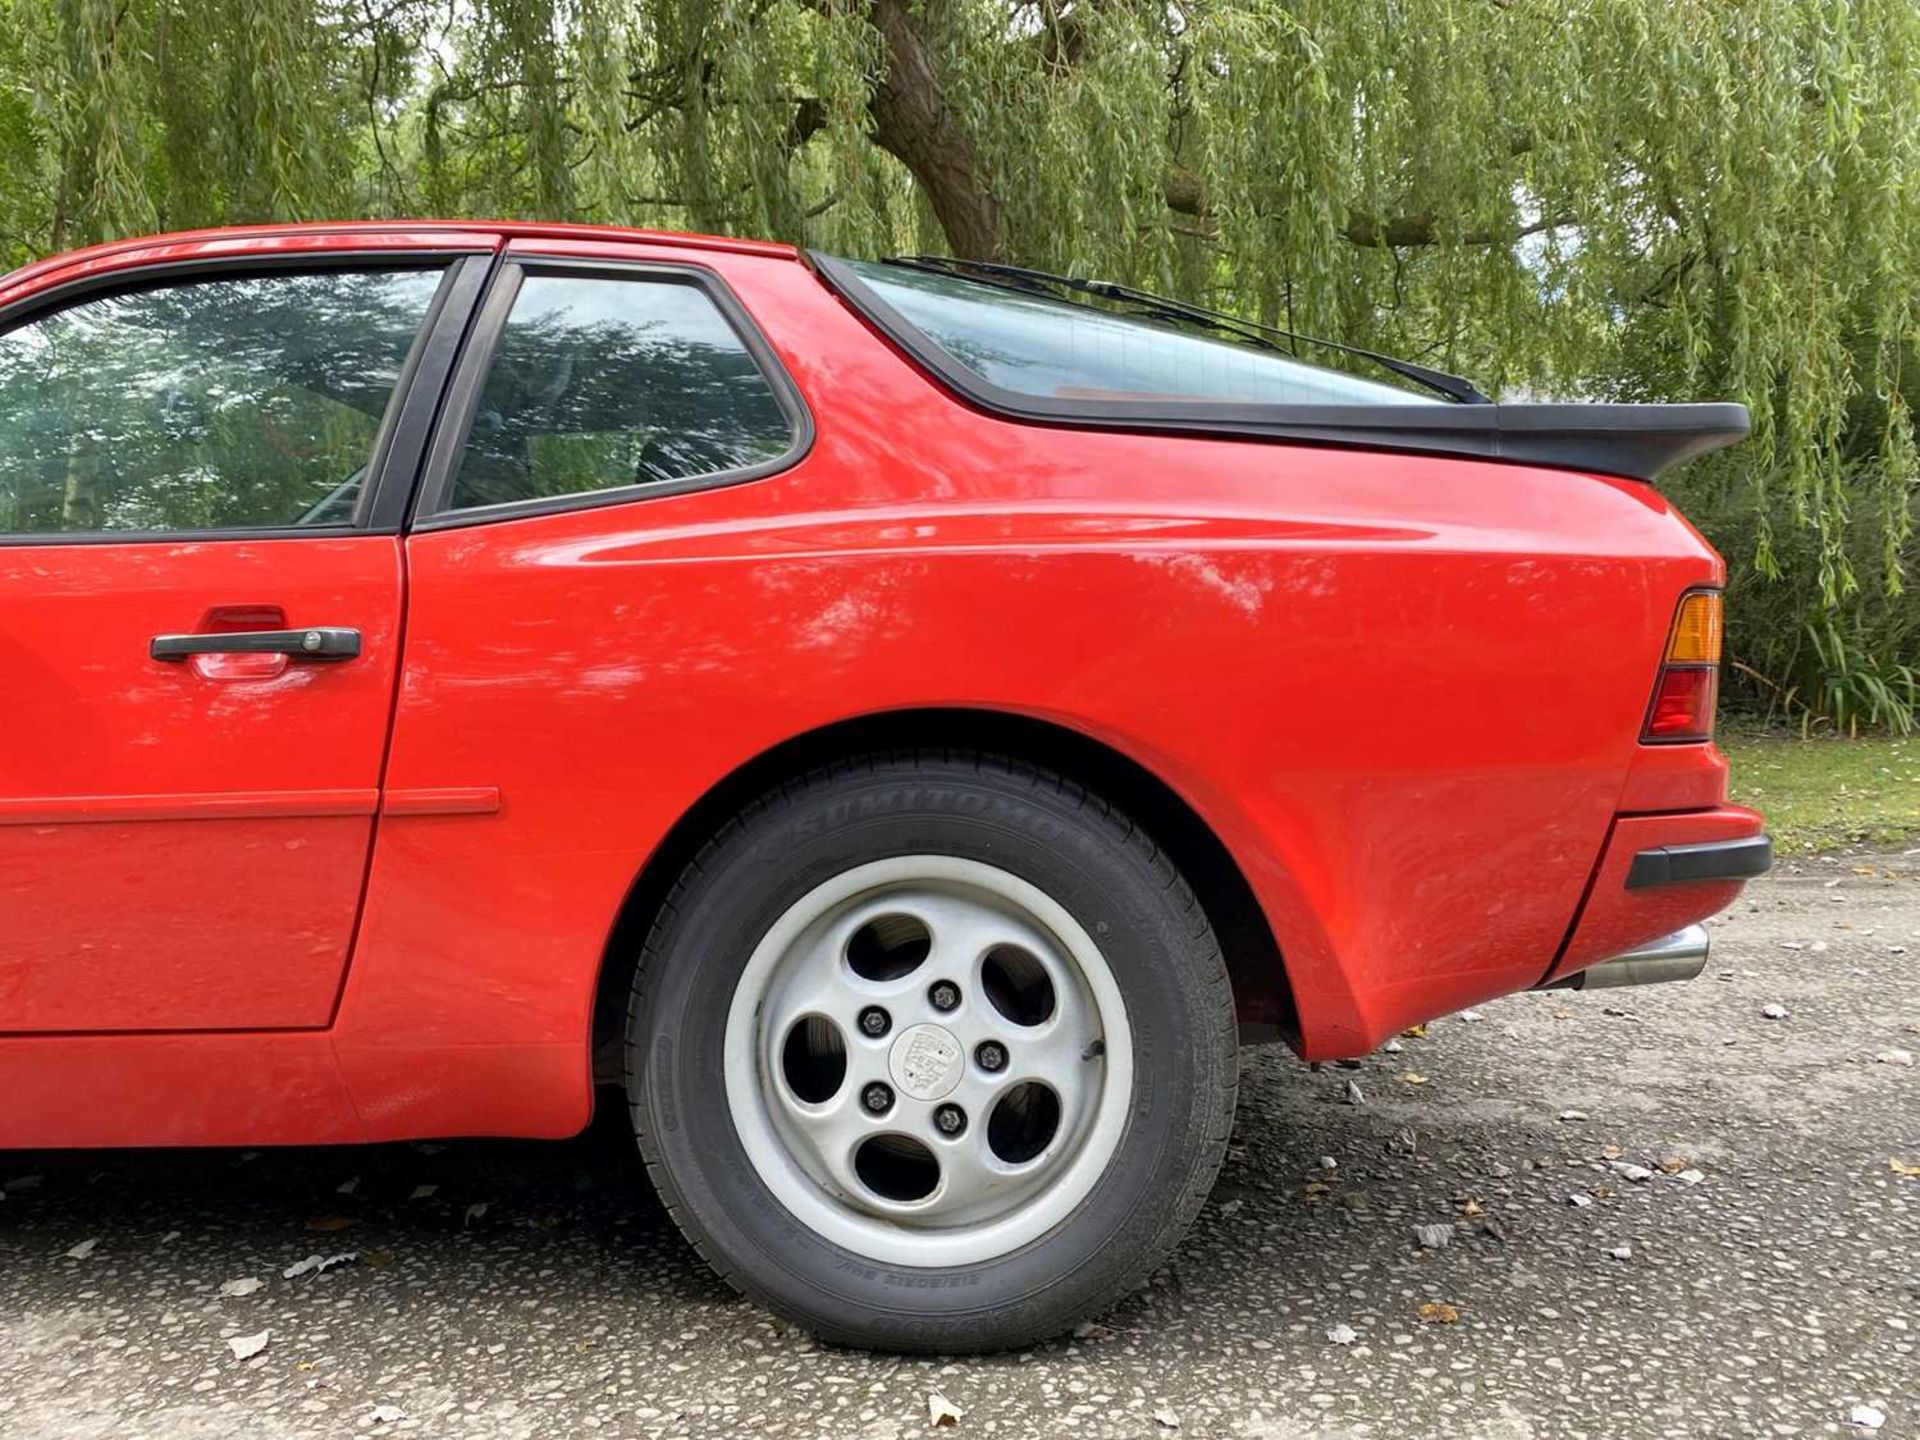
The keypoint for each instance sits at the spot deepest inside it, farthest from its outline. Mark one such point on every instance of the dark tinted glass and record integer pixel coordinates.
(602, 383)
(1041, 346)
(249, 402)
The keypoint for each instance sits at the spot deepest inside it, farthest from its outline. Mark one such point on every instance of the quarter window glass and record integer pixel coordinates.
(600, 384)
(241, 403)
(1037, 345)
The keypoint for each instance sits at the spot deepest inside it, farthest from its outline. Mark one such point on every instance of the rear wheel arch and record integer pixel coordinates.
(1263, 995)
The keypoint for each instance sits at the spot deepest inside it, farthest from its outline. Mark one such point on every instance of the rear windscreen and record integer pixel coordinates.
(1037, 345)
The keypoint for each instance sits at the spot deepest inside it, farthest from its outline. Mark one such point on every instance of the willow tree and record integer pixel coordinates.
(1627, 198)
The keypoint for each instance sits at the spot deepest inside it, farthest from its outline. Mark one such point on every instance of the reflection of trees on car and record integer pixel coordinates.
(217, 405)
(604, 383)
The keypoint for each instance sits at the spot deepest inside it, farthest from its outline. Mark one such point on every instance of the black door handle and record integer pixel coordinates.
(319, 642)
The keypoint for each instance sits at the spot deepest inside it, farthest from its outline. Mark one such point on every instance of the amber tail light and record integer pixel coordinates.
(1689, 682)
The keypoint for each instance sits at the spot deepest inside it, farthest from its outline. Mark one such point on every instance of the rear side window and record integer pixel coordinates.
(600, 383)
(1036, 345)
(232, 403)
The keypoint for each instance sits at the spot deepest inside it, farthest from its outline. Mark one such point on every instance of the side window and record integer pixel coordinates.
(221, 404)
(600, 383)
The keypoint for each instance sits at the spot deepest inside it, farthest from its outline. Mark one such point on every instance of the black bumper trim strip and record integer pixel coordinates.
(1740, 859)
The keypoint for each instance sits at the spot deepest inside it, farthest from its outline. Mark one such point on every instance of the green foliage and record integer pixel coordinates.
(1851, 684)
(1794, 654)
(1842, 674)
(1826, 794)
(1645, 199)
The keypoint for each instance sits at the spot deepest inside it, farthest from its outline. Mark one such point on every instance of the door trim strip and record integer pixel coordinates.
(231, 805)
(443, 800)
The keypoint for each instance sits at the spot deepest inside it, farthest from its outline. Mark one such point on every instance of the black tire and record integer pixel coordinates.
(1088, 857)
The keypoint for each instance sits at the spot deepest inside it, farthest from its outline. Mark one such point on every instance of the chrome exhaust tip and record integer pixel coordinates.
(1679, 956)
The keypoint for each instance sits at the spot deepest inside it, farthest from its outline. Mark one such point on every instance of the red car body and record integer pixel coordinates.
(248, 902)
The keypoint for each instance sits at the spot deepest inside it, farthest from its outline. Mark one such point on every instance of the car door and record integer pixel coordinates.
(202, 474)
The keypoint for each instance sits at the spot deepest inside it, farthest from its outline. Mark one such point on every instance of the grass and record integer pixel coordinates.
(1829, 793)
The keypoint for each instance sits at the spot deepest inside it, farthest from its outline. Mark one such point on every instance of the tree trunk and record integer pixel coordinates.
(79, 496)
(912, 123)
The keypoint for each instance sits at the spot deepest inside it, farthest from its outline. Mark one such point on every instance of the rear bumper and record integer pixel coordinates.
(1740, 859)
(1679, 956)
(1659, 875)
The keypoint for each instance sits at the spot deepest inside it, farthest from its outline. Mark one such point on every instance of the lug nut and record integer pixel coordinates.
(944, 994)
(874, 1021)
(990, 1055)
(950, 1119)
(877, 1098)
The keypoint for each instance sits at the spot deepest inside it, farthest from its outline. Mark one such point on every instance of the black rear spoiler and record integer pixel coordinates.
(1636, 442)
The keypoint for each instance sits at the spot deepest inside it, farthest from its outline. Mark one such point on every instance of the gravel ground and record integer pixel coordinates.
(1768, 1288)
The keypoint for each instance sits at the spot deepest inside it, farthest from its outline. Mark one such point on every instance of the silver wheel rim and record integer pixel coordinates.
(1035, 1133)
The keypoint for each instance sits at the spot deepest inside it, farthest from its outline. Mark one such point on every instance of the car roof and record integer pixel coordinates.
(245, 239)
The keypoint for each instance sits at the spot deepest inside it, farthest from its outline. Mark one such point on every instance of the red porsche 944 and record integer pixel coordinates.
(907, 722)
